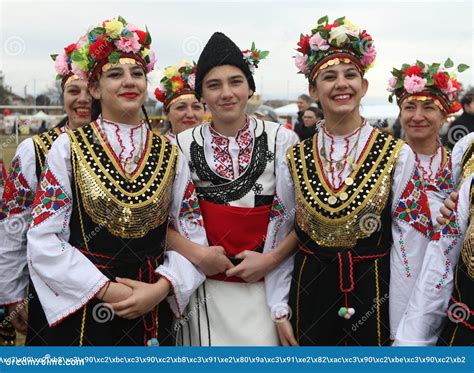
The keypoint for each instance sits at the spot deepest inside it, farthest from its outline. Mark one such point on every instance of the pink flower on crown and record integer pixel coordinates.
(129, 45)
(392, 82)
(151, 65)
(192, 81)
(81, 74)
(369, 56)
(131, 27)
(414, 83)
(300, 62)
(60, 64)
(317, 43)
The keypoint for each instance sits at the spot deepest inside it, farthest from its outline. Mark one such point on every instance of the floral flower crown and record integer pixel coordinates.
(331, 43)
(253, 56)
(427, 81)
(107, 44)
(178, 80)
(64, 66)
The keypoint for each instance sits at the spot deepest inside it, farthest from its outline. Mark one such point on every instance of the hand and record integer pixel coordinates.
(213, 260)
(253, 267)
(18, 316)
(285, 333)
(144, 298)
(114, 293)
(448, 208)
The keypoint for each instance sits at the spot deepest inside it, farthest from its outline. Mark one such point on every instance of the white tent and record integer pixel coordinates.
(41, 115)
(291, 109)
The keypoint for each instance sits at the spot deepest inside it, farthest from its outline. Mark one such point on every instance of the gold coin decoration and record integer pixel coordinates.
(349, 181)
(343, 196)
(332, 200)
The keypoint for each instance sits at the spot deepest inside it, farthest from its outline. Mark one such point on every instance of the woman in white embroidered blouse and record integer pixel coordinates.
(99, 221)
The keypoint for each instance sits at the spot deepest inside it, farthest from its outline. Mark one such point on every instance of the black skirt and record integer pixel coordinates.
(316, 298)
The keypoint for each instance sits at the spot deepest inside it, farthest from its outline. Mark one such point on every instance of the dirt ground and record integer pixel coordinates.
(8, 147)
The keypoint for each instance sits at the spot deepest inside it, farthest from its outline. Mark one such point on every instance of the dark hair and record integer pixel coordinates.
(306, 98)
(316, 111)
(467, 98)
(146, 117)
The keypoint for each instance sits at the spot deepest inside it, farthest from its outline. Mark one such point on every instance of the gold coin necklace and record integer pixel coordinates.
(340, 165)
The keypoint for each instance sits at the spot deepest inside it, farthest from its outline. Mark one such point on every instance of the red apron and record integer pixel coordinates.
(235, 228)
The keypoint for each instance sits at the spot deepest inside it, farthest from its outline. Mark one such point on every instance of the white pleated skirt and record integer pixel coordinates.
(227, 314)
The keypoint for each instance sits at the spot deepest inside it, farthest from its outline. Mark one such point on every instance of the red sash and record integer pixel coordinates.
(235, 228)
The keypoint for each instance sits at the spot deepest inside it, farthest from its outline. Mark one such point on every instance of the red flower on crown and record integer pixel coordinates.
(366, 36)
(303, 44)
(441, 80)
(70, 48)
(159, 95)
(414, 70)
(456, 85)
(455, 107)
(101, 48)
(331, 26)
(141, 36)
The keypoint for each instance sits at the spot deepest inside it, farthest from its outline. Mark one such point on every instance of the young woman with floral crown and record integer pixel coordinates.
(100, 215)
(16, 289)
(426, 95)
(362, 216)
(176, 91)
(235, 163)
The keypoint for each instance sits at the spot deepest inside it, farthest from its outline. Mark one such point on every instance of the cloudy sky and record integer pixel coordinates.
(403, 32)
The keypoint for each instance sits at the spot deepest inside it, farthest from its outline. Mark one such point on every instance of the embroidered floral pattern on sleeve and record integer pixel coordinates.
(403, 251)
(413, 207)
(444, 179)
(17, 195)
(190, 209)
(277, 208)
(447, 263)
(50, 198)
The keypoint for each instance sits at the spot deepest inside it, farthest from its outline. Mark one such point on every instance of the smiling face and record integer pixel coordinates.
(77, 103)
(339, 89)
(121, 91)
(225, 91)
(421, 120)
(185, 113)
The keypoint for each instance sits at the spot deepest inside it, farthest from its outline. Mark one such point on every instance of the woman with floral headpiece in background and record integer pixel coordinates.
(102, 209)
(442, 303)
(426, 95)
(362, 216)
(176, 91)
(16, 290)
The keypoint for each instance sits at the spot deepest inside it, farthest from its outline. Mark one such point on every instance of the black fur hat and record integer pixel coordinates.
(220, 50)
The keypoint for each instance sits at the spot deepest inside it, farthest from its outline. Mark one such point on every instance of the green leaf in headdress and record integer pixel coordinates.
(449, 63)
(114, 57)
(462, 67)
